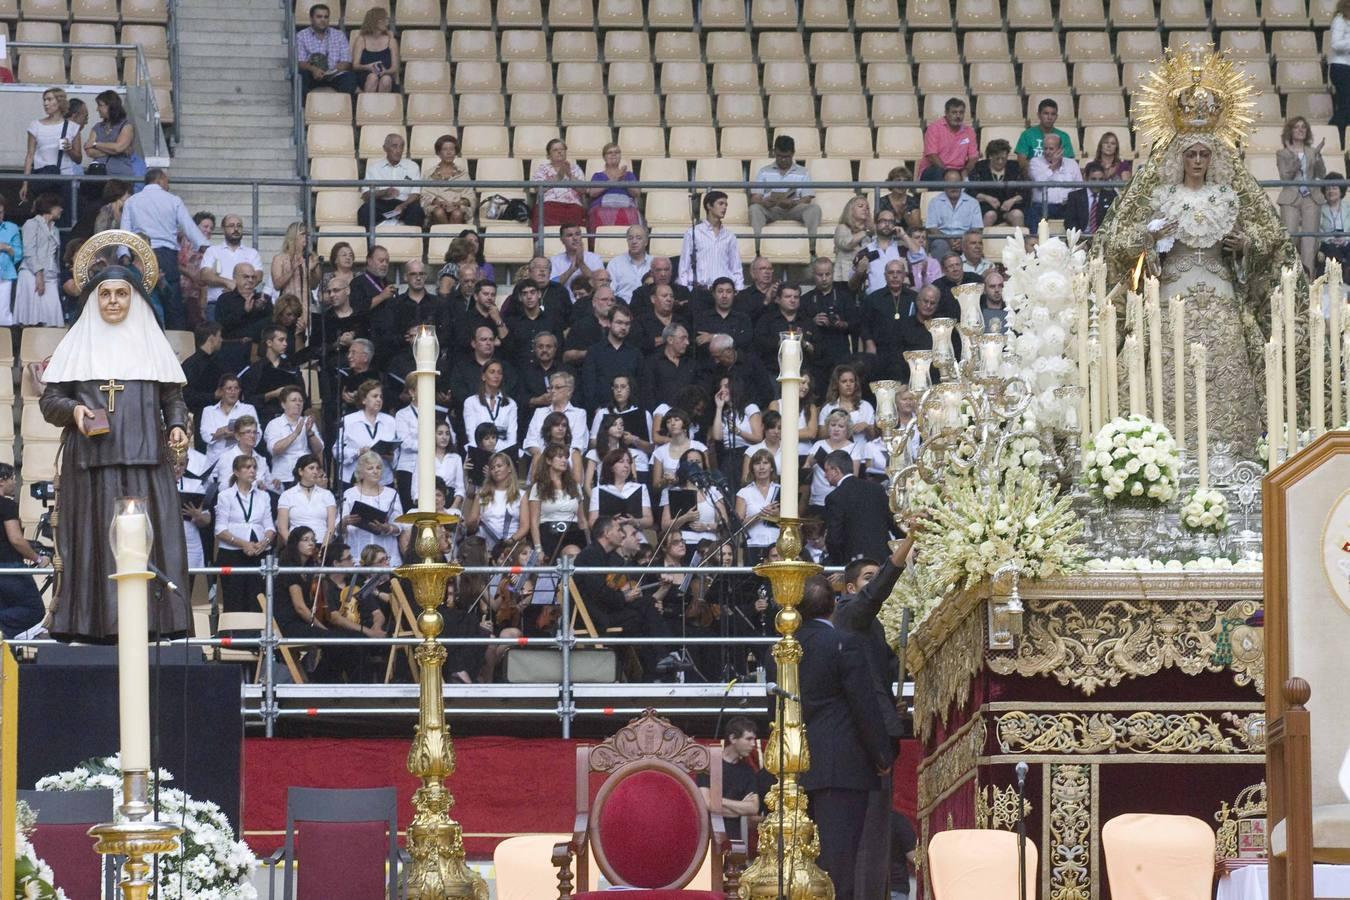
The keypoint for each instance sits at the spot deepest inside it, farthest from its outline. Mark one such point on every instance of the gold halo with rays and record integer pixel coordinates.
(1198, 91)
(138, 247)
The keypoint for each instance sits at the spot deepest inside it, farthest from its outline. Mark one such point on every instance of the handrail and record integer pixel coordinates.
(297, 92)
(175, 66)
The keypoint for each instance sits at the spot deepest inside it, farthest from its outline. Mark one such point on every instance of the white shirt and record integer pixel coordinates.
(246, 517)
(1339, 43)
(874, 455)
(776, 179)
(820, 488)
(500, 517)
(405, 423)
(358, 434)
(195, 552)
(214, 418)
(641, 462)
(556, 507)
(359, 539)
(224, 469)
(777, 454)
(576, 418)
(450, 469)
(669, 463)
(719, 256)
(1040, 171)
(222, 259)
(876, 269)
(864, 414)
(625, 276)
(741, 423)
(308, 508)
(406, 170)
(561, 262)
(502, 412)
(707, 514)
(760, 534)
(629, 488)
(277, 430)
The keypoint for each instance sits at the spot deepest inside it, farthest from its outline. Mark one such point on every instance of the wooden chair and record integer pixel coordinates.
(648, 789)
(405, 626)
(292, 666)
(632, 667)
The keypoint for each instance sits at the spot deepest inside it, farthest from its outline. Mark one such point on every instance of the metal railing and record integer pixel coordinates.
(175, 66)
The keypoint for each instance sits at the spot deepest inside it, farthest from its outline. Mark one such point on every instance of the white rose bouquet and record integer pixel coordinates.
(33, 878)
(1132, 460)
(1205, 510)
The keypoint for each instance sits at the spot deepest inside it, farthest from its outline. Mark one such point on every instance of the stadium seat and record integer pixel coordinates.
(330, 140)
(1183, 14)
(571, 14)
(722, 14)
(468, 43)
(1260, 72)
(670, 13)
(642, 141)
(531, 142)
(876, 169)
(928, 14)
(992, 78)
(875, 14)
(379, 109)
(439, 238)
(882, 47)
(371, 143)
(468, 14)
(1266, 109)
(844, 109)
(1265, 139)
(575, 47)
(524, 46)
(824, 14)
(1285, 13)
(1096, 78)
(1298, 75)
(327, 239)
(1025, 14)
(894, 109)
(423, 75)
(1287, 46)
(934, 46)
(1314, 106)
(1088, 46)
(829, 46)
(431, 109)
(611, 241)
(1136, 46)
(832, 168)
(534, 77)
(585, 109)
(478, 141)
(785, 243)
(624, 78)
(417, 14)
(1100, 109)
(1132, 75)
(781, 45)
(44, 10)
(333, 168)
(94, 11)
(404, 242)
(773, 14)
(635, 109)
(1068, 110)
(985, 46)
(978, 14)
(782, 77)
(663, 169)
(1036, 45)
(743, 142)
(587, 141)
(850, 141)
(668, 208)
(729, 46)
(519, 14)
(627, 45)
(1009, 133)
(534, 109)
(151, 38)
(336, 207)
(1322, 12)
(677, 46)
(621, 14)
(943, 78)
(792, 109)
(735, 78)
(1236, 14)
(692, 141)
(328, 106)
(481, 109)
(478, 77)
(1078, 13)
(1133, 14)
(38, 32)
(356, 11)
(1045, 77)
(498, 168)
(732, 109)
(1179, 39)
(1244, 44)
(584, 78)
(710, 169)
(152, 12)
(891, 78)
(901, 141)
(995, 110)
(684, 78)
(422, 43)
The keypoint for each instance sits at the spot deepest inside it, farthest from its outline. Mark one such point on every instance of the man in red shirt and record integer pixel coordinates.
(949, 144)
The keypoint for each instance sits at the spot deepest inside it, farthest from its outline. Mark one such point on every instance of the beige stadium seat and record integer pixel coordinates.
(431, 109)
(1322, 12)
(575, 46)
(670, 13)
(1045, 77)
(829, 46)
(468, 14)
(41, 462)
(882, 47)
(161, 75)
(1080, 14)
(334, 168)
(729, 46)
(928, 14)
(37, 343)
(792, 109)
(1088, 46)
(94, 11)
(379, 109)
(781, 45)
(1236, 14)
(667, 208)
(978, 14)
(1009, 133)
(421, 43)
(468, 43)
(985, 46)
(696, 109)
(404, 242)
(1030, 14)
(337, 207)
(530, 142)
(417, 14)
(1315, 106)
(1260, 72)
(1096, 78)
(1294, 75)
(44, 10)
(582, 78)
(1265, 139)
(677, 46)
(1285, 13)
(773, 14)
(524, 46)
(424, 75)
(585, 109)
(843, 109)
(534, 77)
(744, 142)
(894, 109)
(1244, 44)
(891, 78)
(663, 170)
(439, 238)
(588, 141)
(571, 13)
(1177, 40)
(1133, 14)
(934, 46)
(1137, 46)
(478, 141)
(39, 32)
(709, 169)
(154, 12)
(482, 109)
(643, 141)
(824, 14)
(1068, 109)
(151, 38)
(164, 104)
(1100, 109)
(692, 141)
(944, 78)
(785, 243)
(356, 11)
(832, 168)
(1183, 14)
(477, 77)
(995, 110)
(94, 33)
(519, 14)
(371, 143)
(328, 106)
(508, 243)
(630, 45)
(1293, 45)
(992, 78)
(875, 14)
(1132, 75)
(611, 241)
(735, 78)
(735, 109)
(850, 141)
(1266, 109)
(684, 78)
(422, 140)
(723, 14)
(626, 78)
(497, 168)
(620, 14)
(635, 109)
(1036, 45)
(330, 140)
(900, 141)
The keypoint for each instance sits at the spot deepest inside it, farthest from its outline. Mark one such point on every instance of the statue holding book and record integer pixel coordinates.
(115, 386)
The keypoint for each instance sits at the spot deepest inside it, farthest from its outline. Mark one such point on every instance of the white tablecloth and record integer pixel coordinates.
(1249, 883)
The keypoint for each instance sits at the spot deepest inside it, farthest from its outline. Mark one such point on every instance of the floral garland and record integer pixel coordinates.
(33, 878)
(1205, 510)
(1144, 564)
(1133, 459)
(210, 865)
(1203, 216)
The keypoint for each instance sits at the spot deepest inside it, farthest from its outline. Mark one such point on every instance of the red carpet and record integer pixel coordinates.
(502, 786)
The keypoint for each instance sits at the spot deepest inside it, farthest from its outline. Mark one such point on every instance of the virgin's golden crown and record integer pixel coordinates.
(1195, 91)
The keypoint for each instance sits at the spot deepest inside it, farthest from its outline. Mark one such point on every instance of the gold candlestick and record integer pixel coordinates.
(787, 755)
(435, 841)
(135, 838)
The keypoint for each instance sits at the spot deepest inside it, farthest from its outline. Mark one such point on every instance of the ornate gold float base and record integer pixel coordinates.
(435, 841)
(136, 839)
(793, 863)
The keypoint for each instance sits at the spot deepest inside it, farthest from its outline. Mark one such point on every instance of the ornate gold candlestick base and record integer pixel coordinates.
(136, 839)
(435, 842)
(787, 755)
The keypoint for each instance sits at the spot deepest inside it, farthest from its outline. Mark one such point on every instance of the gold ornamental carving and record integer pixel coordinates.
(951, 762)
(947, 679)
(1089, 645)
(1070, 844)
(1248, 806)
(996, 807)
(1138, 732)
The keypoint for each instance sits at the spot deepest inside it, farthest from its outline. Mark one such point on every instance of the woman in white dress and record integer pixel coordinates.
(38, 298)
(637, 422)
(290, 436)
(372, 490)
(617, 482)
(837, 437)
(556, 502)
(307, 503)
(491, 405)
(709, 502)
(666, 457)
(363, 429)
(217, 426)
(449, 466)
(845, 392)
(759, 498)
(498, 511)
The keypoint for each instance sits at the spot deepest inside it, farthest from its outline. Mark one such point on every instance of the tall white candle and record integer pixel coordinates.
(1176, 307)
(1277, 319)
(1135, 374)
(1096, 394)
(1336, 325)
(131, 550)
(426, 350)
(1274, 402)
(1099, 279)
(1199, 363)
(1043, 231)
(1345, 379)
(1081, 340)
(789, 380)
(1111, 367)
(1288, 284)
(1316, 366)
(1155, 353)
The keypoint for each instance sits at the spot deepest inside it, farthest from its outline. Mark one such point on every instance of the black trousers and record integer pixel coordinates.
(1340, 98)
(239, 590)
(839, 814)
(874, 849)
(412, 213)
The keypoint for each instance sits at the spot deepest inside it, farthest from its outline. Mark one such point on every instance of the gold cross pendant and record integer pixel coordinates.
(111, 389)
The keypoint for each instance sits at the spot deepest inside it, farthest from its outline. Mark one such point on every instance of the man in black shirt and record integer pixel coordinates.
(831, 307)
(534, 392)
(649, 327)
(740, 781)
(786, 316)
(360, 368)
(758, 297)
(241, 313)
(882, 313)
(723, 318)
(914, 333)
(609, 357)
(202, 369)
(467, 375)
(729, 362)
(370, 289)
(264, 380)
(20, 603)
(528, 320)
(662, 272)
(613, 544)
(667, 373)
(482, 313)
(953, 276)
(589, 330)
(553, 298)
(415, 306)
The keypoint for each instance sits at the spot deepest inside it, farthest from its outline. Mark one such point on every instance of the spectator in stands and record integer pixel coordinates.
(448, 278)
(293, 271)
(954, 275)
(855, 228)
(666, 373)
(832, 309)
(343, 258)
(914, 334)
(662, 272)
(498, 510)
(673, 440)
(111, 141)
(973, 260)
(189, 265)
(708, 501)
(220, 261)
(629, 608)
(1086, 207)
(202, 369)
(609, 358)
(1300, 207)
(627, 270)
(556, 501)
(951, 214)
(375, 523)
(709, 250)
(588, 330)
(360, 356)
(11, 253)
(845, 392)
(54, 148)
(761, 293)
(160, 216)
(786, 316)
(341, 324)
(903, 202)
(374, 53)
(1338, 66)
(869, 265)
(723, 318)
(949, 143)
(615, 482)
(923, 267)
(37, 300)
(736, 425)
(244, 533)
(1335, 244)
(265, 381)
(787, 193)
(242, 312)
(1031, 143)
(246, 436)
(573, 260)
(417, 305)
(613, 205)
(485, 269)
(1108, 157)
(492, 404)
(729, 361)
(561, 387)
(369, 429)
(21, 606)
(112, 197)
(403, 204)
(323, 54)
(451, 204)
(837, 435)
(882, 312)
(1051, 165)
(562, 205)
(991, 303)
(1000, 204)
(291, 437)
(527, 321)
(373, 287)
(534, 391)
(466, 376)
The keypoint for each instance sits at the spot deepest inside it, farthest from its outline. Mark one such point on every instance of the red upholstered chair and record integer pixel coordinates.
(61, 837)
(344, 844)
(647, 825)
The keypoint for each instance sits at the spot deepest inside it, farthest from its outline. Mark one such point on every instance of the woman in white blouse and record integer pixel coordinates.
(555, 502)
(498, 510)
(759, 498)
(666, 457)
(709, 502)
(616, 480)
(372, 490)
(217, 427)
(491, 405)
(736, 425)
(290, 436)
(194, 517)
(773, 443)
(449, 464)
(365, 428)
(307, 503)
(637, 421)
(845, 392)
(837, 437)
(244, 532)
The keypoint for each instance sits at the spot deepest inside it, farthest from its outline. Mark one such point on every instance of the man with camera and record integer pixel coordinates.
(832, 308)
(869, 264)
(21, 607)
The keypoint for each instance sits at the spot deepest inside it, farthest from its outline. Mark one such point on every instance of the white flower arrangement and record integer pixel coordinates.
(1132, 459)
(33, 878)
(1205, 510)
(210, 865)
(1199, 564)
(1203, 216)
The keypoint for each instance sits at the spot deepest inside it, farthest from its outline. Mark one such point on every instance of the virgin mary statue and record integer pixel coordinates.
(115, 361)
(1195, 218)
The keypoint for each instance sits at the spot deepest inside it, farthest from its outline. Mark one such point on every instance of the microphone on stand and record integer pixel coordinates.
(776, 691)
(1021, 831)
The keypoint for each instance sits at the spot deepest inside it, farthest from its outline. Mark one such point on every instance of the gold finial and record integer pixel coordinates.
(1195, 91)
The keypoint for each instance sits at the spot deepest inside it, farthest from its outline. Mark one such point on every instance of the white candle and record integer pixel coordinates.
(1274, 400)
(1043, 231)
(1277, 319)
(920, 376)
(1095, 390)
(789, 403)
(1135, 374)
(1099, 279)
(991, 355)
(131, 550)
(1345, 379)
(1176, 306)
(1288, 283)
(1155, 352)
(1198, 362)
(426, 350)
(1111, 371)
(1316, 365)
(885, 392)
(1337, 325)
(1081, 340)
(951, 410)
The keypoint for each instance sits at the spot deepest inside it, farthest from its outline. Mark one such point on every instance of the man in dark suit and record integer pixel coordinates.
(857, 513)
(844, 734)
(626, 607)
(1086, 208)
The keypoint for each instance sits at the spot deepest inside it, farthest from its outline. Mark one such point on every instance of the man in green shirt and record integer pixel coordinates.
(1029, 144)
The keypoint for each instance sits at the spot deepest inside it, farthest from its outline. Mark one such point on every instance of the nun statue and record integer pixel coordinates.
(115, 386)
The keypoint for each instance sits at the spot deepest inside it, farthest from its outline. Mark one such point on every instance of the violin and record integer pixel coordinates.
(508, 592)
